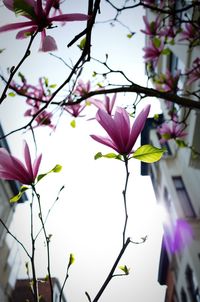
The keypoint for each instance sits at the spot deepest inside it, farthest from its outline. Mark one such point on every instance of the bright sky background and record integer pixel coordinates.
(88, 219)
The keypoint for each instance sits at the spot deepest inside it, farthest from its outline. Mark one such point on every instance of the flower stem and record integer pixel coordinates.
(47, 242)
(111, 274)
(124, 196)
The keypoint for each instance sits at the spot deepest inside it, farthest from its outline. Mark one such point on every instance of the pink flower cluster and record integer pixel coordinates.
(168, 82)
(171, 130)
(35, 96)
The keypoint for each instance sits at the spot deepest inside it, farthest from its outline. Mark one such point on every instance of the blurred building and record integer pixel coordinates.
(176, 180)
(22, 291)
(9, 252)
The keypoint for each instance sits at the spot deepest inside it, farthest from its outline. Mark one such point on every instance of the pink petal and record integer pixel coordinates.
(105, 141)
(106, 121)
(13, 168)
(14, 26)
(48, 44)
(122, 123)
(22, 34)
(139, 124)
(27, 158)
(36, 165)
(69, 17)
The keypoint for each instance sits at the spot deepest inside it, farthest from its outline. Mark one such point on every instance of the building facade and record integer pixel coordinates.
(176, 177)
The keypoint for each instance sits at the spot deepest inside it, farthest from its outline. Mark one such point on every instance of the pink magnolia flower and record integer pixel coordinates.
(194, 73)
(82, 88)
(151, 28)
(190, 33)
(106, 105)
(179, 237)
(152, 52)
(168, 82)
(121, 136)
(171, 130)
(40, 20)
(11, 168)
(75, 109)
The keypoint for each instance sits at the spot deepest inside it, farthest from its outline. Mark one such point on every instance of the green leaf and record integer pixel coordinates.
(94, 74)
(53, 85)
(181, 143)
(21, 7)
(125, 269)
(73, 124)
(110, 155)
(56, 169)
(98, 155)
(129, 35)
(82, 43)
(166, 51)
(148, 153)
(19, 195)
(71, 260)
(156, 42)
(12, 94)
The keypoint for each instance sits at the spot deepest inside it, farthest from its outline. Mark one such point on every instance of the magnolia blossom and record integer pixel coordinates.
(179, 237)
(194, 73)
(39, 20)
(11, 168)
(82, 88)
(106, 105)
(168, 82)
(171, 130)
(121, 136)
(35, 94)
(75, 109)
(152, 52)
(190, 33)
(151, 28)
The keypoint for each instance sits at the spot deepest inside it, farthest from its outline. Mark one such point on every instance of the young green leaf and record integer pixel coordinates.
(11, 94)
(148, 153)
(125, 269)
(98, 155)
(73, 124)
(56, 169)
(82, 44)
(19, 195)
(71, 260)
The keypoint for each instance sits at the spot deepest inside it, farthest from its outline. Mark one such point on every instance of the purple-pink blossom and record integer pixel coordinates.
(11, 168)
(39, 20)
(190, 33)
(152, 52)
(151, 28)
(121, 136)
(75, 109)
(171, 130)
(82, 88)
(168, 82)
(107, 104)
(193, 74)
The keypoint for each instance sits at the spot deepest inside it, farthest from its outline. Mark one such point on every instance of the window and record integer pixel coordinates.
(183, 197)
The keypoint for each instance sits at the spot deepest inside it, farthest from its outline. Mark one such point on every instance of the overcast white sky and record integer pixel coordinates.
(89, 217)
